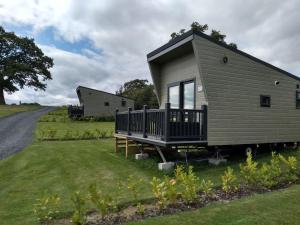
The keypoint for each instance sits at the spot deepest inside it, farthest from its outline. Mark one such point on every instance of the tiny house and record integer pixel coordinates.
(214, 95)
(96, 103)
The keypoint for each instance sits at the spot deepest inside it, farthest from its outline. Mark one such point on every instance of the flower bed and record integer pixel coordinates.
(183, 191)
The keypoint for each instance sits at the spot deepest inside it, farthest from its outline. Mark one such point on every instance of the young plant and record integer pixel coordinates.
(140, 209)
(249, 171)
(189, 183)
(133, 185)
(270, 174)
(51, 133)
(228, 181)
(79, 212)
(159, 192)
(291, 169)
(103, 134)
(68, 135)
(171, 192)
(207, 187)
(103, 202)
(87, 135)
(46, 208)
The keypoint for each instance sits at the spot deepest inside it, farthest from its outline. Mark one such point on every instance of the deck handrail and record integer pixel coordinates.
(165, 124)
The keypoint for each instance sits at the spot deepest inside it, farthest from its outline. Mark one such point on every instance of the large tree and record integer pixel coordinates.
(22, 64)
(217, 35)
(140, 91)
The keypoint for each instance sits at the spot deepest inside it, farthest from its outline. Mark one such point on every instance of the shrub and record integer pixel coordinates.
(228, 181)
(68, 135)
(291, 169)
(103, 202)
(189, 183)
(159, 192)
(249, 171)
(140, 209)
(78, 217)
(207, 187)
(270, 174)
(133, 185)
(171, 190)
(46, 208)
(52, 133)
(87, 135)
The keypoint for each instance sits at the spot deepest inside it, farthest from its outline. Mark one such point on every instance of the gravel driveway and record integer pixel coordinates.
(16, 131)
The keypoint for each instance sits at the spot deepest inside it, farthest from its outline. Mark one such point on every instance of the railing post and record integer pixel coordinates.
(203, 130)
(129, 121)
(145, 121)
(116, 121)
(167, 121)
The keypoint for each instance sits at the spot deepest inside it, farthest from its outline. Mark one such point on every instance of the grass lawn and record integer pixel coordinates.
(6, 110)
(279, 207)
(62, 168)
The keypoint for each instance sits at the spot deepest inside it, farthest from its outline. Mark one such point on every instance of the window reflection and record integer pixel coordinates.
(174, 96)
(189, 95)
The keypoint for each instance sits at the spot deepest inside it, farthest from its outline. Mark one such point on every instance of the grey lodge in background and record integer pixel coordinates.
(97, 103)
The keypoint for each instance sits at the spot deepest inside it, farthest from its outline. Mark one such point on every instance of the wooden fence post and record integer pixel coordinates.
(203, 133)
(167, 120)
(145, 121)
(116, 121)
(129, 121)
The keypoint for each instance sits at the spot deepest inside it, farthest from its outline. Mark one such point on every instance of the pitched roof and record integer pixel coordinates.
(209, 38)
(101, 92)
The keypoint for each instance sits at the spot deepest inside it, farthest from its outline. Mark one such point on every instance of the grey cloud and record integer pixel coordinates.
(127, 30)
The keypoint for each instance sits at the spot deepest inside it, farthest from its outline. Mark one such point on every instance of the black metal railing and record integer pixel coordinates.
(165, 124)
(75, 111)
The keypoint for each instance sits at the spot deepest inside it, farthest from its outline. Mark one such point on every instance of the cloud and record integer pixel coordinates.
(121, 33)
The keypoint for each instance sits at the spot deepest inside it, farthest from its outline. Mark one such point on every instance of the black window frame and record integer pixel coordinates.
(181, 91)
(297, 99)
(106, 103)
(123, 103)
(262, 103)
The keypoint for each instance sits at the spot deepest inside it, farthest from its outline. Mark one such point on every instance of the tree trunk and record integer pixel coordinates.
(2, 100)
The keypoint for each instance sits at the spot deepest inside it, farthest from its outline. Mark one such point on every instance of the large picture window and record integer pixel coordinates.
(189, 95)
(182, 95)
(174, 96)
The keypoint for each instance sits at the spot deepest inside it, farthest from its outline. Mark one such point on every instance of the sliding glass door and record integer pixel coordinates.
(182, 95)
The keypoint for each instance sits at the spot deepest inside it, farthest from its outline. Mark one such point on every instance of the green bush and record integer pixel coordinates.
(189, 183)
(159, 192)
(207, 187)
(290, 167)
(79, 211)
(103, 202)
(228, 181)
(46, 208)
(134, 186)
(249, 172)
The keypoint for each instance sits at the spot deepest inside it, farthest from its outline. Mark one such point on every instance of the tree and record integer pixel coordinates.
(140, 91)
(216, 35)
(22, 64)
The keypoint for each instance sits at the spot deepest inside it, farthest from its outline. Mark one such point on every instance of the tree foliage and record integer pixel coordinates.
(215, 34)
(140, 91)
(22, 63)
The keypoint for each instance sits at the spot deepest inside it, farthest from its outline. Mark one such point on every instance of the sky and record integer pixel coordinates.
(103, 43)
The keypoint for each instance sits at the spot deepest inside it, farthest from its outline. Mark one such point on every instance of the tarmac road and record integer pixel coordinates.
(16, 131)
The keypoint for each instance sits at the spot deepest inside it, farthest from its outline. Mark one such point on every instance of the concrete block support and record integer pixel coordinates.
(166, 166)
(216, 161)
(141, 156)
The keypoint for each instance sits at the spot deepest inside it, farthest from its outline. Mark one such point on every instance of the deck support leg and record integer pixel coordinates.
(126, 148)
(161, 154)
(116, 144)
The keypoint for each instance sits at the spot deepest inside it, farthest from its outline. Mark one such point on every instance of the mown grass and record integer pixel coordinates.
(6, 110)
(279, 207)
(62, 167)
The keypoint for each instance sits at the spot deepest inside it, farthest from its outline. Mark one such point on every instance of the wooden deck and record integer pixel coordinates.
(162, 127)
